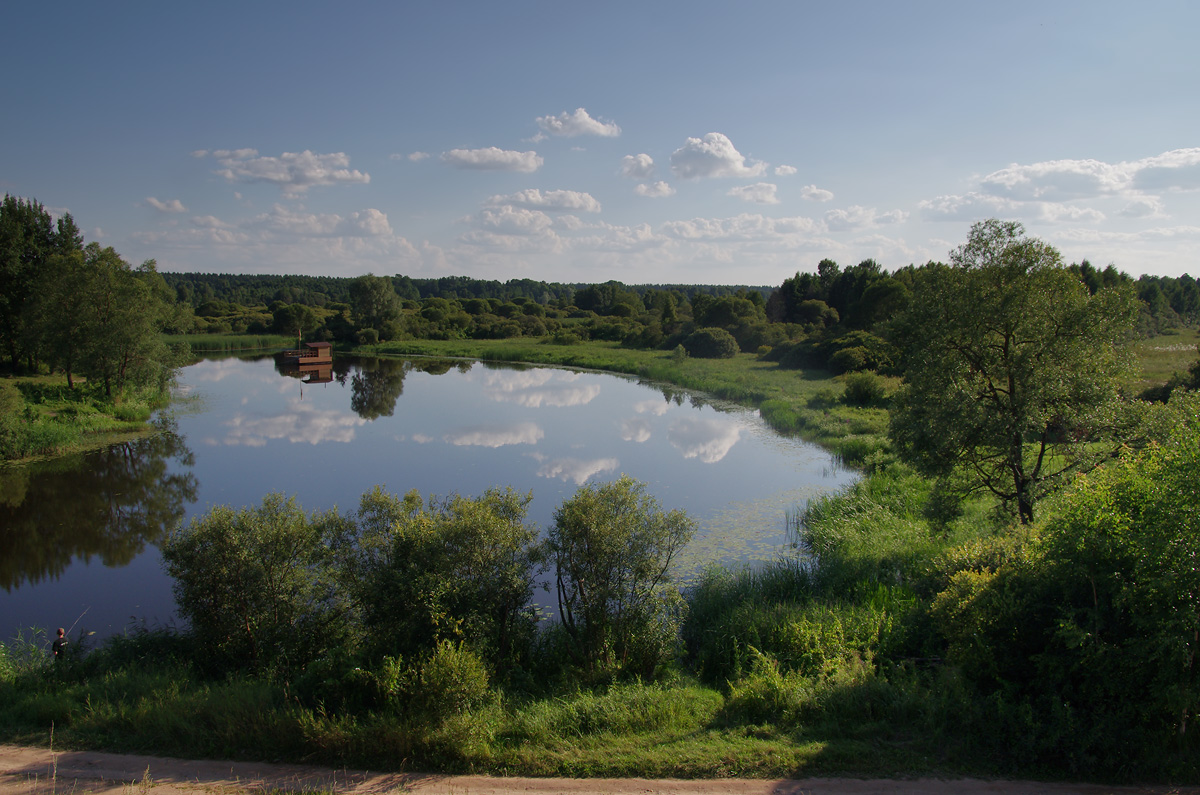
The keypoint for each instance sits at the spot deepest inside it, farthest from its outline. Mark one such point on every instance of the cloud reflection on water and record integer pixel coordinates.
(708, 440)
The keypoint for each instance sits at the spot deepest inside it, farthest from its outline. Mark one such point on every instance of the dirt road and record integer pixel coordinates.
(37, 771)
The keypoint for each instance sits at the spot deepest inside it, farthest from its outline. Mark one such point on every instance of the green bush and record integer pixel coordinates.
(711, 343)
(612, 547)
(864, 389)
(257, 586)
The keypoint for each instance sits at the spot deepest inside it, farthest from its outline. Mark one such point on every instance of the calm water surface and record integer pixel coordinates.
(78, 536)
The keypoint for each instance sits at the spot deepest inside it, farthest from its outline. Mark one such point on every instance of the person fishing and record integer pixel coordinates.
(59, 647)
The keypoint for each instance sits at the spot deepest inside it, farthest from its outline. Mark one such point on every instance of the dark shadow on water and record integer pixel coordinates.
(107, 504)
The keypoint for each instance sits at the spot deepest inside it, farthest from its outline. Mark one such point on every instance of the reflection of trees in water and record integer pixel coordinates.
(109, 504)
(376, 387)
(376, 384)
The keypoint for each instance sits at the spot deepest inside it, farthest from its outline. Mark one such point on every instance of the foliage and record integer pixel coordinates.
(1010, 367)
(1094, 627)
(257, 586)
(864, 389)
(711, 343)
(612, 547)
(428, 571)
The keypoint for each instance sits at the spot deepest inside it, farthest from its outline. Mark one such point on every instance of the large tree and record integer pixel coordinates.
(1011, 368)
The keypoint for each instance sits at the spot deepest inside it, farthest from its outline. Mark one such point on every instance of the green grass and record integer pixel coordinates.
(1158, 358)
(227, 343)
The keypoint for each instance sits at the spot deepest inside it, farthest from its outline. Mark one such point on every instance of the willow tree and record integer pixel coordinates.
(1011, 368)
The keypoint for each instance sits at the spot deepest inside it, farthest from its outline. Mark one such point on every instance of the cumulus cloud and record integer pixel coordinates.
(758, 193)
(493, 159)
(712, 156)
(414, 157)
(569, 125)
(785, 171)
(363, 223)
(509, 220)
(741, 227)
(293, 172)
(637, 166)
(654, 190)
(172, 206)
(497, 436)
(968, 207)
(814, 194)
(564, 200)
(1143, 207)
(1066, 180)
(1178, 169)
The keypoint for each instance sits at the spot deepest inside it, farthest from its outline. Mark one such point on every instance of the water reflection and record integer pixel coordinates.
(709, 440)
(108, 504)
(376, 386)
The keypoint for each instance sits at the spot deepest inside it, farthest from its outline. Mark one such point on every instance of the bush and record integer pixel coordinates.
(460, 569)
(864, 389)
(711, 343)
(257, 586)
(612, 547)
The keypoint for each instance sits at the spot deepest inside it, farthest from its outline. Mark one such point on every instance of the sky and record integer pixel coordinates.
(650, 142)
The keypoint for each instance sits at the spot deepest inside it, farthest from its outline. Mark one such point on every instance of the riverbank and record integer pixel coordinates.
(42, 417)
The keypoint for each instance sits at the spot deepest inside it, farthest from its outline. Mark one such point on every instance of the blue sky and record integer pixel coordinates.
(697, 142)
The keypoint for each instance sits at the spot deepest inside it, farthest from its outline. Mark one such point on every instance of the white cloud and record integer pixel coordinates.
(741, 227)
(785, 171)
(1178, 169)
(654, 190)
(493, 159)
(970, 207)
(497, 436)
(570, 125)
(414, 157)
(363, 223)
(172, 206)
(293, 172)
(576, 469)
(758, 193)
(509, 220)
(1052, 212)
(637, 166)
(1143, 207)
(815, 194)
(712, 156)
(1066, 180)
(566, 200)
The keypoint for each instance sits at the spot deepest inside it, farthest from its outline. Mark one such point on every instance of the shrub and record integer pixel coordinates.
(711, 343)
(612, 547)
(864, 389)
(256, 585)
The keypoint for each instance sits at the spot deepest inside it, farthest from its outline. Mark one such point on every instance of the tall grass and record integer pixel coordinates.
(230, 343)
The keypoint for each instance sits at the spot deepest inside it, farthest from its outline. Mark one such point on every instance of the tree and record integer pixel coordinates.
(612, 547)
(1010, 366)
(373, 302)
(257, 586)
(28, 239)
(459, 569)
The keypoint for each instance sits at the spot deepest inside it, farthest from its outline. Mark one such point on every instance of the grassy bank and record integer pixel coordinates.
(40, 416)
(202, 344)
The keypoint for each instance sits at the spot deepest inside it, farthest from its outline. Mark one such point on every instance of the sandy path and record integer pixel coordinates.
(36, 771)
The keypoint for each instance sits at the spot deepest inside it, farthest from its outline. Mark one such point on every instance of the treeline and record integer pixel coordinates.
(833, 318)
